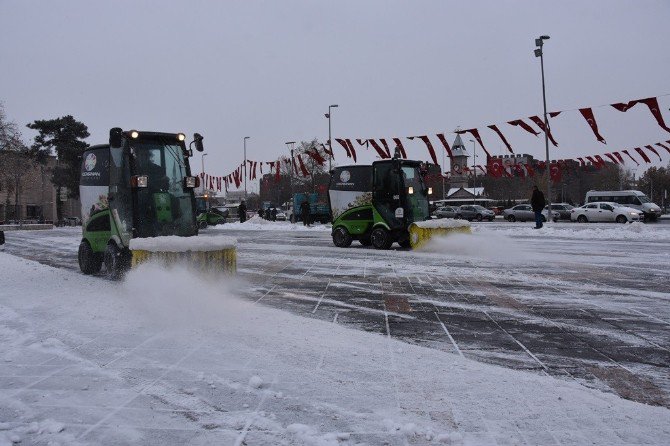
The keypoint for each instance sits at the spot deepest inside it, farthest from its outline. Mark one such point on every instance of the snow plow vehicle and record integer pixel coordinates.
(139, 187)
(384, 203)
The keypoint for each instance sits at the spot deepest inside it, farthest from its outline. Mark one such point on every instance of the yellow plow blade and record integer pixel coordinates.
(215, 255)
(421, 232)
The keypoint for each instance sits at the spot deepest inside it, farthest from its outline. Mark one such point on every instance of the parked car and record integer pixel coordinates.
(605, 212)
(446, 212)
(563, 209)
(629, 198)
(281, 216)
(474, 212)
(497, 210)
(524, 212)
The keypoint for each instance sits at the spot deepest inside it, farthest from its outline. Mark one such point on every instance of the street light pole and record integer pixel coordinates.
(330, 144)
(474, 168)
(245, 166)
(202, 158)
(539, 42)
(289, 144)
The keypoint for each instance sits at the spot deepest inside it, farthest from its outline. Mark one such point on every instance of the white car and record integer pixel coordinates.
(605, 211)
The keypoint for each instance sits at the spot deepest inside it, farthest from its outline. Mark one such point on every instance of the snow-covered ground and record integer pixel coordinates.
(312, 344)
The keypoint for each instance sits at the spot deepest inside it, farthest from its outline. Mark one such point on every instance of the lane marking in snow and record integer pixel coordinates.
(252, 417)
(444, 327)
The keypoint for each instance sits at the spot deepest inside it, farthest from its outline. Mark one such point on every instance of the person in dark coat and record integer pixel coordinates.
(537, 202)
(304, 213)
(273, 214)
(242, 211)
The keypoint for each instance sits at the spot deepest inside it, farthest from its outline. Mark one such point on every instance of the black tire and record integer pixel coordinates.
(341, 237)
(405, 244)
(582, 219)
(381, 239)
(478, 217)
(621, 219)
(89, 262)
(115, 262)
(365, 240)
(458, 216)
(202, 224)
(511, 218)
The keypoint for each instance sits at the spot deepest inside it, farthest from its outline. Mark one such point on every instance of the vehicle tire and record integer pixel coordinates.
(491, 219)
(202, 224)
(341, 237)
(621, 219)
(555, 220)
(89, 262)
(582, 219)
(478, 217)
(511, 219)
(458, 216)
(381, 239)
(115, 262)
(365, 240)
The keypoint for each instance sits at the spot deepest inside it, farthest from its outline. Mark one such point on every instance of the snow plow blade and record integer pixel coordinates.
(421, 232)
(212, 255)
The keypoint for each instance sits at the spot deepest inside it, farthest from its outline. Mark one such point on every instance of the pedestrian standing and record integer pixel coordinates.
(242, 211)
(273, 214)
(537, 202)
(304, 213)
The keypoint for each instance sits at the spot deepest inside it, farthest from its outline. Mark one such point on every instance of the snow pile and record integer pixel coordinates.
(257, 223)
(585, 231)
(442, 223)
(175, 243)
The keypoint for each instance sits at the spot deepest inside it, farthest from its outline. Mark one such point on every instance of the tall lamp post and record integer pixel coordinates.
(289, 144)
(474, 168)
(330, 144)
(202, 159)
(245, 166)
(539, 43)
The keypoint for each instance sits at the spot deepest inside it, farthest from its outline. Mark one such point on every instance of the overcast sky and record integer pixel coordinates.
(269, 70)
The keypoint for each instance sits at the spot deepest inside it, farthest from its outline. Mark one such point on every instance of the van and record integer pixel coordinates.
(631, 198)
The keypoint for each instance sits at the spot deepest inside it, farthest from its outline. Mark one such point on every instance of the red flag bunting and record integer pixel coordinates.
(502, 137)
(610, 156)
(428, 144)
(495, 167)
(382, 154)
(540, 123)
(643, 155)
(664, 146)
(654, 150)
(445, 144)
(582, 163)
(398, 145)
(523, 125)
(316, 156)
(386, 147)
(600, 160)
(587, 113)
(631, 157)
(348, 146)
(303, 169)
(618, 156)
(651, 103)
(475, 133)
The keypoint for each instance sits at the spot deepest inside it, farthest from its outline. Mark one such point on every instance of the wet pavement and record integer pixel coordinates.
(592, 310)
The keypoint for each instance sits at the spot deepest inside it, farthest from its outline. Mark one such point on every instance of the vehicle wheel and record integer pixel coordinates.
(582, 219)
(365, 240)
(341, 237)
(511, 219)
(115, 262)
(555, 220)
(491, 219)
(89, 262)
(478, 217)
(458, 216)
(202, 224)
(381, 239)
(621, 219)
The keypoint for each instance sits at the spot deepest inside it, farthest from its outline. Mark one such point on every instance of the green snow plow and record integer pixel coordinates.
(384, 203)
(139, 186)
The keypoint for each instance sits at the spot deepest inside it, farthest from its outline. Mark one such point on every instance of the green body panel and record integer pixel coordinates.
(98, 239)
(359, 227)
(163, 205)
(211, 218)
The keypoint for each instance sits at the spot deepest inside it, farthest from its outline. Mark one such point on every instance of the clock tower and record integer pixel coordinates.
(459, 176)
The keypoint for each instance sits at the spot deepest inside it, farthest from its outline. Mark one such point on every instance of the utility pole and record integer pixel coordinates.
(330, 138)
(290, 144)
(245, 166)
(539, 43)
(202, 158)
(474, 168)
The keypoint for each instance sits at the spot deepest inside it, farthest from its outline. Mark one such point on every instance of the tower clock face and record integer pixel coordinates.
(457, 168)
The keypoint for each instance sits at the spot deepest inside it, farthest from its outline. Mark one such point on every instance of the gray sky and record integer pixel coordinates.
(269, 70)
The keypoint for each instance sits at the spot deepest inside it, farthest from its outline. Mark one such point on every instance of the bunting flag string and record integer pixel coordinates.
(611, 156)
(400, 147)
(618, 156)
(445, 144)
(643, 155)
(429, 146)
(664, 146)
(523, 125)
(587, 113)
(652, 105)
(386, 147)
(502, 137)
(303, 169)
(654, 151)
(630, 156)
(540, 123)
(382, 154)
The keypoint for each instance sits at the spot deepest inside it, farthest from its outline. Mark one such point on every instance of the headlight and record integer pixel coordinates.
(181, 137)
(134, 134)
(633, 213)
(410, 190)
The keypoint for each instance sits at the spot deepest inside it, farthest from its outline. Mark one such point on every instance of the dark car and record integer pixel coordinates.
(564, 210)
(474, 212)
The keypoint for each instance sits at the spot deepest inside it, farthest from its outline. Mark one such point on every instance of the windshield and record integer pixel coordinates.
(643, 199)
(164, 207)
(479, 208)
(417, 201)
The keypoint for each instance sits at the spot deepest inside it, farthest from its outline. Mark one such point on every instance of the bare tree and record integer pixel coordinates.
(15, 164)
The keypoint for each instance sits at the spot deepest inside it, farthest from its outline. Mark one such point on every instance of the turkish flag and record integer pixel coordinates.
(555, 172)
(587, 113)
(653, 150)
(400, 147)
(643, 155)
(610, 156)
(664, 146)
(631, 157)
(382, 154)
(429, 146)
(495, 167)
(523, 125)
(618, 156)
(502, 137)
(540, 123)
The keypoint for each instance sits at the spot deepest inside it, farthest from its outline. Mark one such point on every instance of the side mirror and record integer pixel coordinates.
(197, 139)
(115, 137)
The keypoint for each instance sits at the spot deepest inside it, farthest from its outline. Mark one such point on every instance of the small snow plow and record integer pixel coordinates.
(140, 187)
(384, 203)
